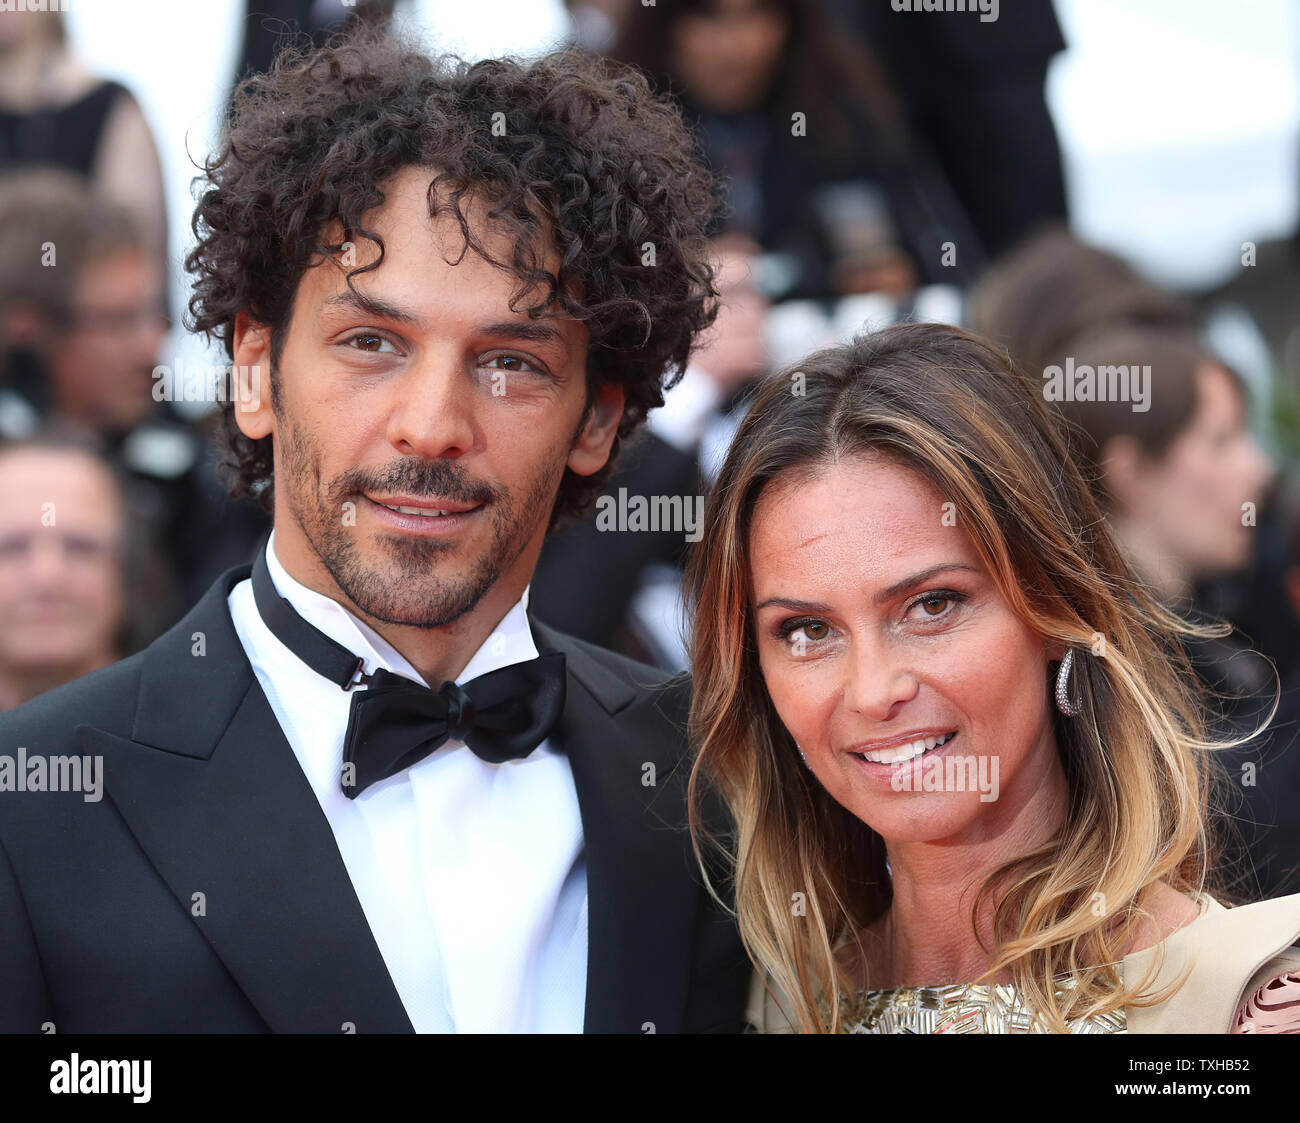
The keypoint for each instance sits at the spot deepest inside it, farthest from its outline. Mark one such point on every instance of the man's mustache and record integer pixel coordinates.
(435, 480)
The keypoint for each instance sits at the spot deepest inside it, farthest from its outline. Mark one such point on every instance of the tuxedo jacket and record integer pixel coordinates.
(204, 891)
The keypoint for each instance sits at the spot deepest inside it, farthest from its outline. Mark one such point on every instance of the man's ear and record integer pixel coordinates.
(591, 450)
(1291, 586)
(1120, 461)
(251, 377)
(22, 324)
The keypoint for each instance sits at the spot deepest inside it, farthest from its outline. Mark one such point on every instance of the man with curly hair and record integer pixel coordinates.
(359, 787)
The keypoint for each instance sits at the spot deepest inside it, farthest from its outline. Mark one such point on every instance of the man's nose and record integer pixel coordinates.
(436, 409)
(46, 562)
(147, 331)
(1260, 465)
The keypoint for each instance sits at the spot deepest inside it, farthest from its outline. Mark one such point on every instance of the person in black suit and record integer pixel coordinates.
(975, 91)
(441, 266)
(802, 127)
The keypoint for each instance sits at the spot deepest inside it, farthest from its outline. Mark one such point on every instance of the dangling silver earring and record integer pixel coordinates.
(803, 757)
(1063, 701)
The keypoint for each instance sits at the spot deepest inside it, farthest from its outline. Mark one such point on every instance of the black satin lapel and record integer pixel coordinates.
(244, 828)
(642, 899)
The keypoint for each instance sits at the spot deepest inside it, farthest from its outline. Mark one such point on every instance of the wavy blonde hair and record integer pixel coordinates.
(1141, 779)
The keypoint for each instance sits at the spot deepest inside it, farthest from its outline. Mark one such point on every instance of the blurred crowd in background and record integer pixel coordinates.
(876, 166)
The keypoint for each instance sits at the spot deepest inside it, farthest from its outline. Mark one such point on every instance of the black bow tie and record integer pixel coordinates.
(395, 723)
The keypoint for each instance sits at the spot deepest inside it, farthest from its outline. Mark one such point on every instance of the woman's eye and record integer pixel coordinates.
(936, 605)
(797, 631)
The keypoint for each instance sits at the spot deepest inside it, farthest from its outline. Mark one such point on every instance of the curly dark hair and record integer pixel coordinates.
(571, 151)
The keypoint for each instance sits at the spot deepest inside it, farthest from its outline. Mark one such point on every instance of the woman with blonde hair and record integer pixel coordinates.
(967, 766)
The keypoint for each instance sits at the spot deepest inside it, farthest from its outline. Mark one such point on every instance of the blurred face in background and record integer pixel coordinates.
(19, 28)
(101, 363)
(725, 55)
(60, 565)
(734, 351)
(1188, 502)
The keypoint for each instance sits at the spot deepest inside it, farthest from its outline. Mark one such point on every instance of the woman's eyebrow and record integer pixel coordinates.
(794, 605)
(900, 587)
(882, 597)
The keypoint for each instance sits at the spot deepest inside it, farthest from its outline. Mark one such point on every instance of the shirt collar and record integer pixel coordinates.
(511, 641)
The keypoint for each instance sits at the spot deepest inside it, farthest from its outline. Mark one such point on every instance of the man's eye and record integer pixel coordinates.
(512, 363)
(80, 547)
(368, 342)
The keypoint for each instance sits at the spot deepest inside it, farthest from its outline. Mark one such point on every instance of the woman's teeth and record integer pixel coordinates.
(897, 754)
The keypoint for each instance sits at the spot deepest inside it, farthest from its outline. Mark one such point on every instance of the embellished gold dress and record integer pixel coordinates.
(1232, 970)
(960, 1008)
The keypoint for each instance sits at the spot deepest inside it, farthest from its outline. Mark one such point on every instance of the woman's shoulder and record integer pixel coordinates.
(1225, 957)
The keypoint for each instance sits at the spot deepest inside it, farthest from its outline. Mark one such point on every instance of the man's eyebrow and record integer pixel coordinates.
(882, 597)
(536, 331)
(370, 306)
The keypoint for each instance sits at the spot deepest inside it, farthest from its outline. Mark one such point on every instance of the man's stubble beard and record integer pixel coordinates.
(414, 596)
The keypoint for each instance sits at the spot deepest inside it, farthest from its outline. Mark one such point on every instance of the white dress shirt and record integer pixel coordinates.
(471, 875)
